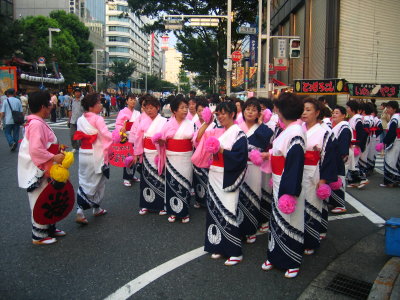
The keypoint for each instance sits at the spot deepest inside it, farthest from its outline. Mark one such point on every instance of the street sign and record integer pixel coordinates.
(41, 61)
(271, 70)
(237, 56)
(280, 64)
(282, 48)
(247, 30)
(208, 22)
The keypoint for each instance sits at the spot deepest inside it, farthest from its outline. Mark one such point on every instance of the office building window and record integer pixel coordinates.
(118, 49)
(118, 39)
(118, 28)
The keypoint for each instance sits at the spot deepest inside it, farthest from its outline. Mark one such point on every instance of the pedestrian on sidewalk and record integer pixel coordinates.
(75, 110)
(11, 130)
(35, 161)
(54, 102)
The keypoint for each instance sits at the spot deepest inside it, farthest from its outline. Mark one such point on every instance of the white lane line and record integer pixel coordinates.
(365, 211)
(344, 216)
(143, 280)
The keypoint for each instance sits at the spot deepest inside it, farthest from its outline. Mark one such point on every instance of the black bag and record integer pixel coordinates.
(17, 116)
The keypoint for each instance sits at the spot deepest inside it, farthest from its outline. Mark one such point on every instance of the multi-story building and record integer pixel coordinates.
(172, 65)
(90, 12)
(125, 39)
(154, 55)
(354, 40)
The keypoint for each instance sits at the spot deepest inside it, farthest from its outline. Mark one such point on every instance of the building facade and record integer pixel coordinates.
(352, 39)
(172, 65)
(125, 39)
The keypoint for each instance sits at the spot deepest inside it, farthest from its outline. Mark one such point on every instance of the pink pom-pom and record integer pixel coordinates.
(116, 137)
(255, 157)
(206, 114)
(324, 191)
(212, 145)
(156, 160)
(271, 183)
(267, 114)
(357, 151)
(379, 147)
(128, 160)
(287, 204)
(155, 138)
(337, 184)
(281, 124)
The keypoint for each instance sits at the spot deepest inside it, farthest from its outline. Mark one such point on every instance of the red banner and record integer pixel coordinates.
(118, 153)
(152, 44)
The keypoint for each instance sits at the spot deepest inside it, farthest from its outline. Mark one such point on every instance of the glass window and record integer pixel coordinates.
(118, 49)
(118, 39)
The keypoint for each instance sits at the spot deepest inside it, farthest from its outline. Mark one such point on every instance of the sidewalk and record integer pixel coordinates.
(360, 271)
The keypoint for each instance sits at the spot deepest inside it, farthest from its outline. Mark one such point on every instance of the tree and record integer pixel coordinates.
(156, 84)
(202, 48)
(10, 33)
(184, 82)
(36, 43)
(122, 71)
(81, 34)
(29, 38)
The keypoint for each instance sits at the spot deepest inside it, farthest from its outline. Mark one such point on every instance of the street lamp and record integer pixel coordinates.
(97, 50)
(50, 31)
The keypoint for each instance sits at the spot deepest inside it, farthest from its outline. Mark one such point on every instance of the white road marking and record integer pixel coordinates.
(143, 280)
(344, 216)
(365, 211)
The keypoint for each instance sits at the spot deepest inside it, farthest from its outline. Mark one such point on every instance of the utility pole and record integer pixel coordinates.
(268, 45)
(259, 65)
(228, 47)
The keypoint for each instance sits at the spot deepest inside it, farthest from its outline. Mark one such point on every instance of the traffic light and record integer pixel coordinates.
(294, 51)
(228, 64)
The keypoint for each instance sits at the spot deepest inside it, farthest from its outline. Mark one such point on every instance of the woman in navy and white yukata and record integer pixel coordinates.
(286, 239)
(227, 171)
(391, 171)
(123, 124)
(375, 131)
(319, 168)
(175, 153)
(200, 175)
(152, 184)
(358, 140)
(258, 136)
(342, 134)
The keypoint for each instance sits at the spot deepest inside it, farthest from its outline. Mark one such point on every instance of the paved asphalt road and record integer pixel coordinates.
(94, 261)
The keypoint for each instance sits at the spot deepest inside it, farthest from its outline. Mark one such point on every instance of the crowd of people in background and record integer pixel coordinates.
(256, 165)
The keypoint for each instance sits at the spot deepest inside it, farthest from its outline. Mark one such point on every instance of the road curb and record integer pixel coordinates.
(386, 281)
(361, 261)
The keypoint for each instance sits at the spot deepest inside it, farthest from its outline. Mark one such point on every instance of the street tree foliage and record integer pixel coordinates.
(202, 47)
(81, 34)
(122, 71)
(156, 84)
(184, 82)
(29, 39)
(10, 33)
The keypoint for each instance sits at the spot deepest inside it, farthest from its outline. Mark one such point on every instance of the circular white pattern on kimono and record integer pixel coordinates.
(271, 243)
(200, 190)
(149, 195)
(214, 237)
(240, 216)
(176, 204)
